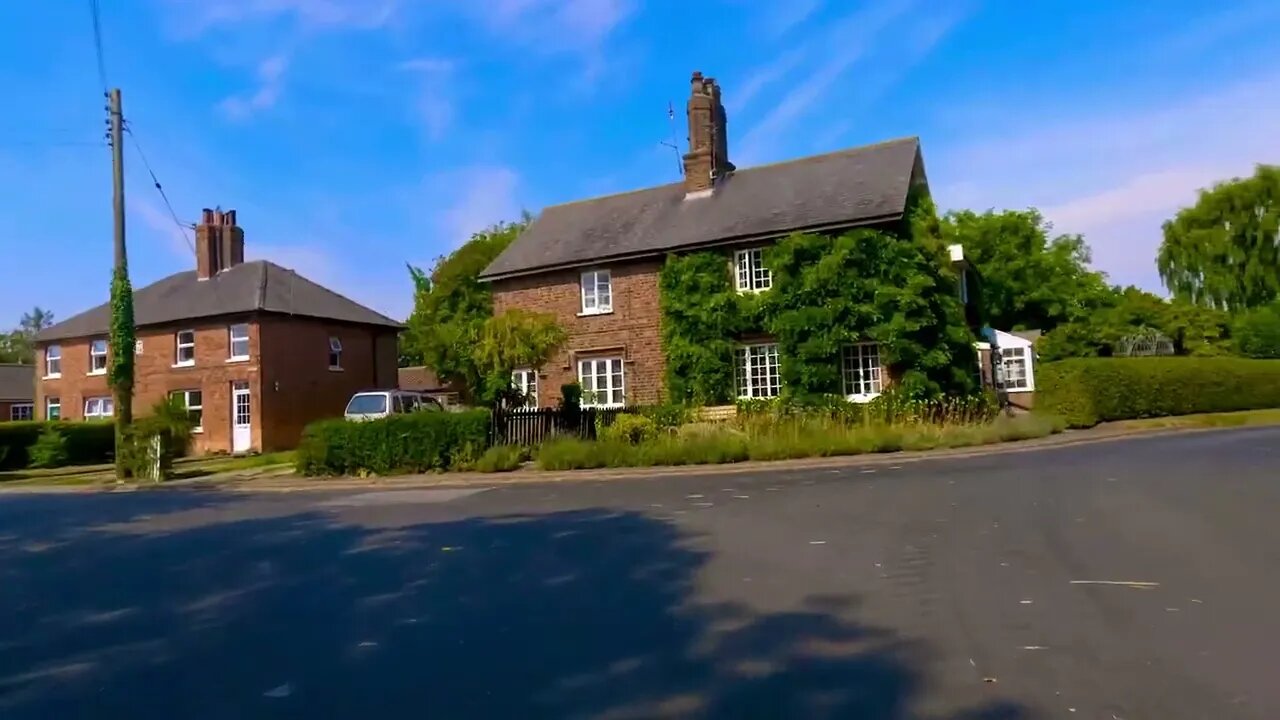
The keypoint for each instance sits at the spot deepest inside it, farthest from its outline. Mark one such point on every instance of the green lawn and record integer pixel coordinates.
(192, 467)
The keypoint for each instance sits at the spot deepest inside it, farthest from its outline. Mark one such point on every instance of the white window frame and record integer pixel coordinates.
(597, 292)
(16, 413)
(861, 371)
(591, 371)
(198, 427)
(52, 354)
(95, 356)
(232, 339)
(750, 274)
(526, 381)
(179, 346)
(335, 353)
(757, 371)
(51, 404)
(1010, 357)
(95, 408)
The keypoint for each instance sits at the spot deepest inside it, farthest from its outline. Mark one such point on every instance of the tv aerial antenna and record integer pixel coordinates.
(675, 148)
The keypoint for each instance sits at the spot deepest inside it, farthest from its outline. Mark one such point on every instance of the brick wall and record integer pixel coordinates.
(631, 331)
(297, 384)
(156, 376)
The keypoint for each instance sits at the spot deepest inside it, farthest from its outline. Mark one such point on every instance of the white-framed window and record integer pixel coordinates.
(1016, 363)
(22, 411)
(335, 354)
(98, 408)
(239, 335)
(752, 275)
(757, 372)
(193, 401)
(185, 354)
(97, 357)
(861, 371)
(526, 381)
(597, 292)
(53, 361)
(602, 382)
(52, 408)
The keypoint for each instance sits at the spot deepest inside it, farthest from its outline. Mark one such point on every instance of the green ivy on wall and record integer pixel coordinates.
(894, 287)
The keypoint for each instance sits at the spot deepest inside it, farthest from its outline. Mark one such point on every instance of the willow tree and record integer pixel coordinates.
(1224, 251)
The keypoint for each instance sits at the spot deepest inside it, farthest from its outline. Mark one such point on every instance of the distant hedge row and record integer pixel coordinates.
(87, 443)
(416, 442)
(1087, 391)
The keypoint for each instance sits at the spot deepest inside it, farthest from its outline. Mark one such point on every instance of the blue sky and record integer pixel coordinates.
(356, 135)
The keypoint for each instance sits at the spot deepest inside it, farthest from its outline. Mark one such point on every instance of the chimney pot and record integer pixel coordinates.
(708, 156)
(219, 243)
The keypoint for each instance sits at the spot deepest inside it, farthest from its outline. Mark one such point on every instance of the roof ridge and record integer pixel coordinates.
(739, 171)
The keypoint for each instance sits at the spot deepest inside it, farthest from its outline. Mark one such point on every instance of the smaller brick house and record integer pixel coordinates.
(254, 350)
(594, 264)
(17, 390)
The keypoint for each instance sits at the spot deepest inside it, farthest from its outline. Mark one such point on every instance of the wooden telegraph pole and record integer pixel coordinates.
(122, 330)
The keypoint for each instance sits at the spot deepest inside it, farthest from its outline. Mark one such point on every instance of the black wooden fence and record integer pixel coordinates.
(533, 426)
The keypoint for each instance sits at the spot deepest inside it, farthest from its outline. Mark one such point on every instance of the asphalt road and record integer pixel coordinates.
(962, 590)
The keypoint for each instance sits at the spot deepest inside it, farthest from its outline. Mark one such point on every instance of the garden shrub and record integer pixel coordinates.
(500, 458)
(628, 428)
(416, 442)
(87, 443)
(49, 449)
(1257, 332)
(1087, 391)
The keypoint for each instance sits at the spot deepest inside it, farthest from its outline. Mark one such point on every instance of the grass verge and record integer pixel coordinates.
(1203, 420)
(782, 440)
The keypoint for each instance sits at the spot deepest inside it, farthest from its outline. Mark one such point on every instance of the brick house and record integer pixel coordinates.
(594, 264)
(17, 388)
(254, 350)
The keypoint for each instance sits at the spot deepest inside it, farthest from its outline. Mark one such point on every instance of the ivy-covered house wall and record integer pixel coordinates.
(845, 314)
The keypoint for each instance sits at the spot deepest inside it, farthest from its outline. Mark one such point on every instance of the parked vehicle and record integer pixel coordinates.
(374, 404)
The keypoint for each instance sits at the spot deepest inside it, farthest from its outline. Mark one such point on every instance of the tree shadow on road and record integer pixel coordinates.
(575, 614)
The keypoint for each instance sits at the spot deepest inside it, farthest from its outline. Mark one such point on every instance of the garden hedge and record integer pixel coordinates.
(417, 442)
(88, 443)
(1087, 391)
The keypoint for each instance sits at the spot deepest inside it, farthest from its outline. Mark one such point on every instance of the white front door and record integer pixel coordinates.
(241, 417)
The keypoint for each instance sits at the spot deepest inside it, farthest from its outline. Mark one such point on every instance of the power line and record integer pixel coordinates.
(181, 227)
(97, 43)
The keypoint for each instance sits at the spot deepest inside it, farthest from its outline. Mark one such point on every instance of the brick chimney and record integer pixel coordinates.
(219, 243)
(708, 156)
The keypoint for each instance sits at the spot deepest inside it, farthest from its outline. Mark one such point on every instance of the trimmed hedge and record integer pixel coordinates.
(417, 442)
(1087, 391)
(88, 443)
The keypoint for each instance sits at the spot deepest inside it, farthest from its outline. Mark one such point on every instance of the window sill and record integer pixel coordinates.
(184, 364)
(595, 312)
(335, 369)
(237, 360)
(749, 291)
(58, 376)
(197, 431)
(96, 372)
(862, 398)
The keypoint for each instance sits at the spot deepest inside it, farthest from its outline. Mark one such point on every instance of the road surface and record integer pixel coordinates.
(1125, 580)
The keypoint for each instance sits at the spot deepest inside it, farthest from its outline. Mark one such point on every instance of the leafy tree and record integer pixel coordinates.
(451, 306)
(1192, 329)
(1225, 250)
(514, 339)
(1029, 280)
(18, 346)
(1257, 332)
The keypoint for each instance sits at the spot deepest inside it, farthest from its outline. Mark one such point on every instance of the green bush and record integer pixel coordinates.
(88, 443)
(1257, 332)
(1087, 391)
(49, 450)
(628, 428)
(417, 442)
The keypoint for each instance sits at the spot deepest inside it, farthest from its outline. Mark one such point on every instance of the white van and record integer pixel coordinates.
(374, 404)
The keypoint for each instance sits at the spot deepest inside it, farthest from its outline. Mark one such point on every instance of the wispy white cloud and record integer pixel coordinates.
(270, 76)
(1117, 174)
(788, 15)
(857, 37)
(195, 17)
(434, 105)
(762, 77)
(557, 24)
(472, 199)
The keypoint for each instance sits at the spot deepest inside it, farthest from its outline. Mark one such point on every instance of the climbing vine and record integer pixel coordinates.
(893, 286)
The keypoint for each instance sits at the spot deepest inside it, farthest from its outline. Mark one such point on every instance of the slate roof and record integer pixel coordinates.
(17, 383)
(851, 187)
(258, 286)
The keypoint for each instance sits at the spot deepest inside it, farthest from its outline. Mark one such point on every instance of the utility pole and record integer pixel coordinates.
(122, 340)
